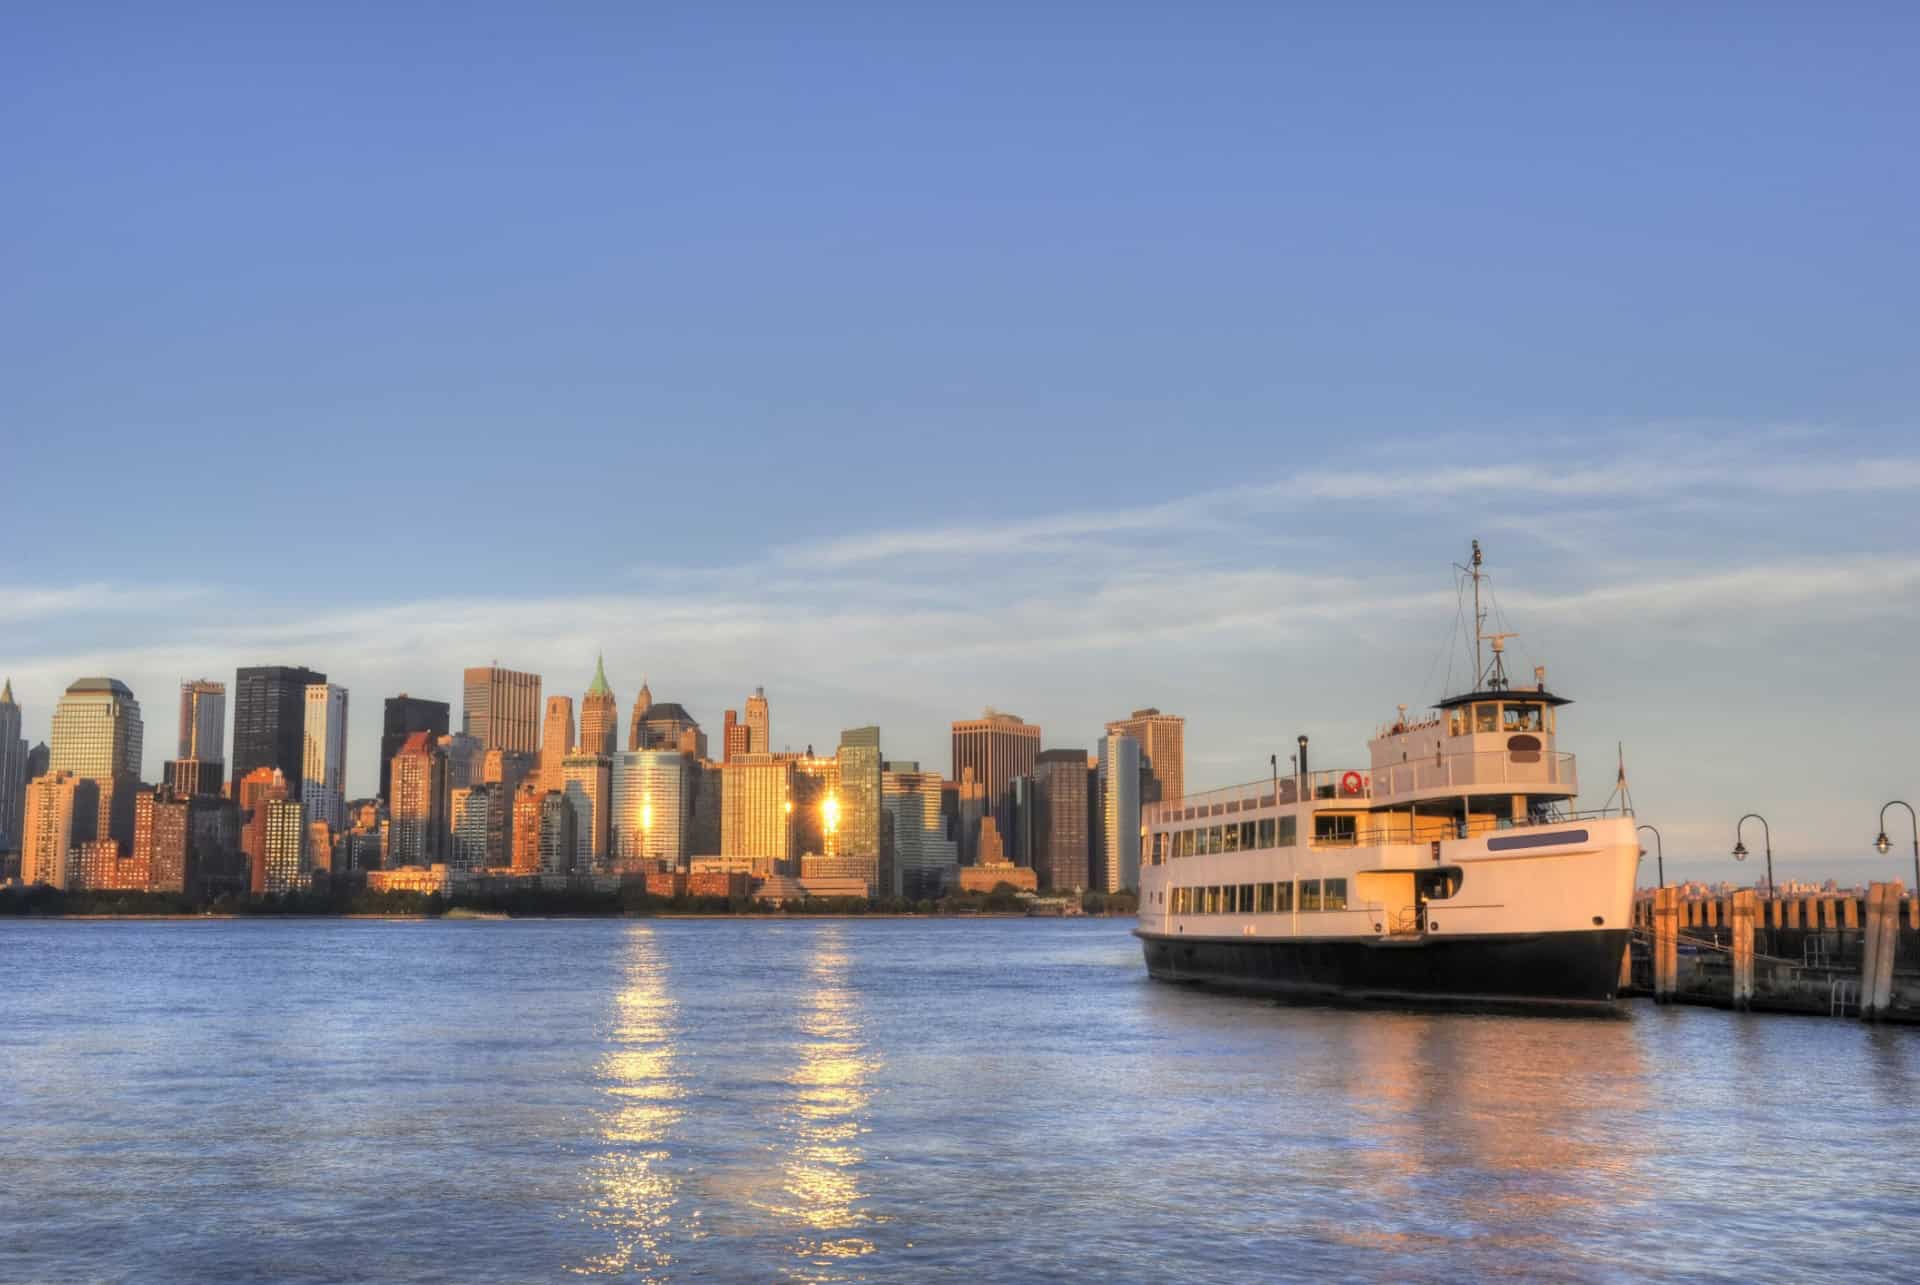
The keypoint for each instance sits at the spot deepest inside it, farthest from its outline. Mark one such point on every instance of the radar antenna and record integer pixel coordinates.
(1493, 677)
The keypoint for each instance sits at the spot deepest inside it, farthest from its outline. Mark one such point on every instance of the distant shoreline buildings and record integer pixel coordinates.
(520, 792)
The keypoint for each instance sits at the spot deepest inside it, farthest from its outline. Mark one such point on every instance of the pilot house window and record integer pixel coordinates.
(1486, 718)
(1522, 718)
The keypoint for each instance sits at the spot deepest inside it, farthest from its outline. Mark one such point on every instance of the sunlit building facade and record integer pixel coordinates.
(859, 793)
(61, 809)
(599, 715)
(923, 855)
(649, 810)
(1120, 774)
(477, 827)
(556, 742)
(1163, 747)
(288, 863)
(588, 785)
(270, 720)
(501, 708)
(1062, 837)
(402, 716)
(756, 807)
(417, 813)
(759, 723)
(203, 721)
(97, 730)
(323, 766)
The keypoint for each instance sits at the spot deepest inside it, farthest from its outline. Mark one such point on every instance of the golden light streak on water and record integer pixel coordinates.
(634, 1190)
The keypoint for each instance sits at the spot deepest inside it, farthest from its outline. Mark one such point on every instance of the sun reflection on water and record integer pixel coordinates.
(634, 1190)
(821, 1194)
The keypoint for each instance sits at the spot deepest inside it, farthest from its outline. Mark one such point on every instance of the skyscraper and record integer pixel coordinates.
(97, 731)
(756, 808)
(923, 855)
(998, 747)
(641, 704)
(526, 827)
(60, 812)
(666, 725)
(1119, 813)
(501, 709)
(405, 715)
(417, 813)
(13, 772)
(478, 828)
(1061, 831)
(649, 809)
(288, 865)
(735, 736)
(270, 720)
(759, 723)
(466, 759)
(1163, 742)
(588, 786)
(323, 759)
(556, 742)
(859, 795)
(599, 714)
(203, 721)
(162, 840)
(559, 839)
(260, 787)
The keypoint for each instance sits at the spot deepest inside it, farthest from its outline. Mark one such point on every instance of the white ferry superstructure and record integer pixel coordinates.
(1451, 869)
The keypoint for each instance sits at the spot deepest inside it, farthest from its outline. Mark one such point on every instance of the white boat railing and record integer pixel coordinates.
(1467, 770)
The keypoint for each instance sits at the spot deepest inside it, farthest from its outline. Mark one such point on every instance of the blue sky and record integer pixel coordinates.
(908, 362)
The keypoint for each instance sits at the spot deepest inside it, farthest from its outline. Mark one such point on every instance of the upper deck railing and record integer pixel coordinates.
(1522, 770)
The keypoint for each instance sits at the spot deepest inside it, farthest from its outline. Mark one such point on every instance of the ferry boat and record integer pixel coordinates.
(1451, 869)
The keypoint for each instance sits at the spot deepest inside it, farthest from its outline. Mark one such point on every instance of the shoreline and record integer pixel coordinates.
(498, 917)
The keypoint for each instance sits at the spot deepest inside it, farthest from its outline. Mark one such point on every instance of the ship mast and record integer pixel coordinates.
(1492, 678)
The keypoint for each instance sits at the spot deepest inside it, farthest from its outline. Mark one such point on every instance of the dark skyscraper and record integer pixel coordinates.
(1062, 838)
(270, 721)
(406, 715)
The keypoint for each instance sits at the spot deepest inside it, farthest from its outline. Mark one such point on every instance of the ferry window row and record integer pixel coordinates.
(1261, 898)
(1244, 836)
(1497, 716)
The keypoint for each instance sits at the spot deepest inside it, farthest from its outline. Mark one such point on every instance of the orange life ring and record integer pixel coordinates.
(1351, 783)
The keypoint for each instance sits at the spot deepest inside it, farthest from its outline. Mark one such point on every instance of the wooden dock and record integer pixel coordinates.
(1833, 955)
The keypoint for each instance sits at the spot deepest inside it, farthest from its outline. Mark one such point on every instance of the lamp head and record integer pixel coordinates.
(1883, 843)
(1739, 851)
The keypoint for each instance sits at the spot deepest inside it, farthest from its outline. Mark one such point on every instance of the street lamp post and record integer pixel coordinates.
(1883, 844)
(1659, 851)
(1740, 847)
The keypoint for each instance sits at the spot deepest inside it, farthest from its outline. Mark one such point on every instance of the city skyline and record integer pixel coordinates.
(1074, 379)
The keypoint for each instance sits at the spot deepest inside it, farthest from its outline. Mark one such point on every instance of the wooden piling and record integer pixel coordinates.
(1745, 905)
(1666, 943)
(1880, 944)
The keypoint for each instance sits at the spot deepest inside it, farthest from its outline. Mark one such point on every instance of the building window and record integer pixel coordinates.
(1246, 898)
(1246, 836)
(1264, 900)
(1266, 832)
(1333, 829)
(1283, 897)
(1289, 831)
(1309, 894)
(1335, 895)
(1231, 834)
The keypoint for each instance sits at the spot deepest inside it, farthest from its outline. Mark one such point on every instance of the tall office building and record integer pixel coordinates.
(756, 808)
(466, 759)
(60, 815)
(97, 731)
(323, 761)
(478, 827)
(924, 857)
(502, 709)
(287, 865)
(13, 772)
(859, 794)
(641, 704)
(98, 734)
(525, 848)
(1119, 813)
(588, 786)
(556, 742)
(735, 736)
(559, 838)
(162, 840)
(1163, 742)
(187, 777)
(255, 791)
(417, 813)
(1061, 834)
(599, 714)
(405, 715)
(648, 814)
(203, 721)
(270, 720)
(998, 747)
(759, 723)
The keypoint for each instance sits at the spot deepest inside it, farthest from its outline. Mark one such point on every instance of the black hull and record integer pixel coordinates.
(1563, 971)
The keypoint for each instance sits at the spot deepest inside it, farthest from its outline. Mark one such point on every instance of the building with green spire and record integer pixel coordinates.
(600, 714)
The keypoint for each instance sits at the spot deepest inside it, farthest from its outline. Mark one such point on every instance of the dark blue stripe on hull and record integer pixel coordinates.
(1551, 970)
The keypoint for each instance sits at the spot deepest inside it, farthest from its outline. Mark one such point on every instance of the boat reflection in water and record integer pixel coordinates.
(634, 1187)
(820, 1195)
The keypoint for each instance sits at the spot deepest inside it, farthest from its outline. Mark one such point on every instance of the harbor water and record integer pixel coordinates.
(848, 1099)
